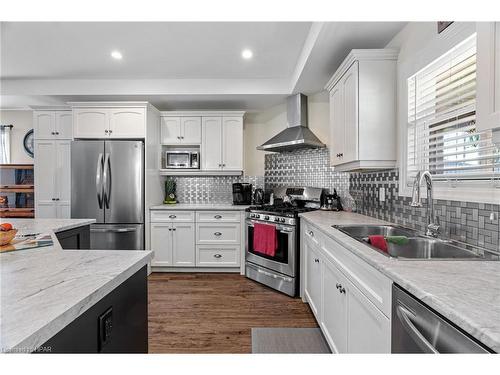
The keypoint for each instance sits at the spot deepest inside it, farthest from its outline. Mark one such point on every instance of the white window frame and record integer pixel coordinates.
(470, 191)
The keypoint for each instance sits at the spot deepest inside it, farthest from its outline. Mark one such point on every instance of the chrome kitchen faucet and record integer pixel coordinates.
(432, 220)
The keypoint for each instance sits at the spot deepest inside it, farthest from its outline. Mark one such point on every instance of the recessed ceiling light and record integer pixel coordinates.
(246, 54)
(117, 55)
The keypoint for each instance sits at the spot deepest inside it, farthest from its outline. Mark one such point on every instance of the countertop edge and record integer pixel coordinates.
(442, 308)
(59, 323)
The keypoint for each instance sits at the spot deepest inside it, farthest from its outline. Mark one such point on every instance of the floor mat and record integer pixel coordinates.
(288, 340)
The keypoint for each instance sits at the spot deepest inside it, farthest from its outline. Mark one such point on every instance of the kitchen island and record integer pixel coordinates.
(55, 300)
(466, 292)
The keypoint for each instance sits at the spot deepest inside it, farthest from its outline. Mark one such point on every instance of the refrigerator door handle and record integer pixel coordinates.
(98, 180)
(106, 180)
(119, 230)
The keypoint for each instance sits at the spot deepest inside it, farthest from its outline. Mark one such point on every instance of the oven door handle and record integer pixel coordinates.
(274, 276)
(288, 231)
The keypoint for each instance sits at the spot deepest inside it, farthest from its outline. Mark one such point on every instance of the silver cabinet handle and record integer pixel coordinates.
(174, 229)
(342, 290)
(98, 180)
(218, 217)
(337, 286)
(172, 216)
(403, 315)
(106, 131)
(178, 137)
(57, 133)
(316, 260)
(53, 133)
(170, 229)
(311, 233)
(218, 234)
(217, 256)
(220, 165)
(223, 165)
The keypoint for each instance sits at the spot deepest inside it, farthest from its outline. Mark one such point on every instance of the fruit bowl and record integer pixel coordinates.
(7, 236)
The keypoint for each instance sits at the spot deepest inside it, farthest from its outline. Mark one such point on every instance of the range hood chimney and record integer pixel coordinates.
(297, 135)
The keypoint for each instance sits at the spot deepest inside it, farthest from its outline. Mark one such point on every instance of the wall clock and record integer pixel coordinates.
(29, 143)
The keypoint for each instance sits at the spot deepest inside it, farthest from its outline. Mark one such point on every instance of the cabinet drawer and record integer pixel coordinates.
(208, 233)
(372, 283)
(312, 235)
(172, 216)
(217, 256)
(218, 216)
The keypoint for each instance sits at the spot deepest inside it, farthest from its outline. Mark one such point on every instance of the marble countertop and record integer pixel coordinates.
(200, 207)
(465, 292)
(45, 289)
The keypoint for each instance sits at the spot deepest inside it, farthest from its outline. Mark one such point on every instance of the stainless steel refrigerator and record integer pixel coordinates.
(107, 184)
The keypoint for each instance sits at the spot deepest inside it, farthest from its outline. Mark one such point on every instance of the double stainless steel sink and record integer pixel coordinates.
(417, 245)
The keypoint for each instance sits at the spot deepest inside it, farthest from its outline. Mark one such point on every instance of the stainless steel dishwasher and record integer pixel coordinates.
(418, 329)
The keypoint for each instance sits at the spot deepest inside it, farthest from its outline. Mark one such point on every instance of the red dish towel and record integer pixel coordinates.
(265, 240)
(379, 242)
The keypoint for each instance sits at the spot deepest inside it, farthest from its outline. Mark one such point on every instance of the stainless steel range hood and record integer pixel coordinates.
(297, 134)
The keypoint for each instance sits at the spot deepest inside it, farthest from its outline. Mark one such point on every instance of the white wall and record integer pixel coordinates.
(261, 126)
(22, 121)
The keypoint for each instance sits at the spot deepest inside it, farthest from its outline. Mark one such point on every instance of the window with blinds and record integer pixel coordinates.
(442, 135)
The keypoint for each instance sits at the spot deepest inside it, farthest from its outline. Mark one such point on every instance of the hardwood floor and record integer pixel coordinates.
(214, 313)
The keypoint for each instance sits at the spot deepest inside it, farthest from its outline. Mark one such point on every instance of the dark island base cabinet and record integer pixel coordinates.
(118, 323)
(75, 239)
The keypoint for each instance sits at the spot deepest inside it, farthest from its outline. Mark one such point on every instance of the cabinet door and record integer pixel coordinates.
(63, 178)
(46, 210)
(488, 75)
(44, 124)
(170, 130)
(312, 287)
(350, 98)
(212, 143)
(45, 178)
(368, 329)
(334, 304)
(161, 244)
(63, 210)
(183, 245)
(64, 125)
(337, 125)
(232, 143)
(90, 122)
(127, 123)
(191, 130)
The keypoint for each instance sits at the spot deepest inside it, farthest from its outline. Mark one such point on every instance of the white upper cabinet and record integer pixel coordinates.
(363, 111)
(212, 143)
(488, 76)
(109, 122)
(191, 130)
(52, 124)
(127, 123)
(232, 143)
(222, 143)
(91, 122)
(181, 130)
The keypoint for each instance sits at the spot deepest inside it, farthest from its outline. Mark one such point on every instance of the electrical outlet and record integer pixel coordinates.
(105, 328)
(381, 194)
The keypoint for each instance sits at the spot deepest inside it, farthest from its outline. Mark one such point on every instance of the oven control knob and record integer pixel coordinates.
(257, 216)
(276, 219)
(266, 217)
(282, 220)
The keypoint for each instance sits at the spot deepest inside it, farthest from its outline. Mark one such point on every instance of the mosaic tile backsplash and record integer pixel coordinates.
(212, 189)
(463, 221)
(304, 167)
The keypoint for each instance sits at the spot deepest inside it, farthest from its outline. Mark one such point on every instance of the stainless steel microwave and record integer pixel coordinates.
(181, 160)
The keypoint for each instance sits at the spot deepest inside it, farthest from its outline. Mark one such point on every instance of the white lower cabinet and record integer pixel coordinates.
(334, 308)
(313, 278)
(173, 244)
(204, 239)
(340, 289)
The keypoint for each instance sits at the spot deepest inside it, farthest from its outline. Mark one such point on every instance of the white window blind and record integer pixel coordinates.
(441, 134)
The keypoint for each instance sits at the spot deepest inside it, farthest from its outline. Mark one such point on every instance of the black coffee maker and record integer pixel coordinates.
(242, 193)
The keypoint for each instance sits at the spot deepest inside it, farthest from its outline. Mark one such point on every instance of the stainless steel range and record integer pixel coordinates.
(280, 269)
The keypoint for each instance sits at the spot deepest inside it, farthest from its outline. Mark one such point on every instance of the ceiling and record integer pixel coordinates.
(176, 65)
